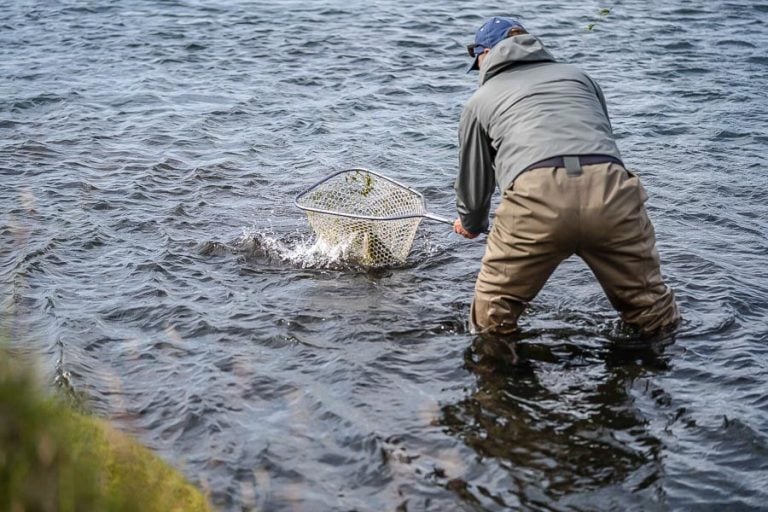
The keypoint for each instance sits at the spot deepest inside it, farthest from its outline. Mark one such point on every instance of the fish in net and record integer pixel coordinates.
(373, 217)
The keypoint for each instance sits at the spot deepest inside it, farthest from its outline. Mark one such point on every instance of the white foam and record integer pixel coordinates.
(298, 250)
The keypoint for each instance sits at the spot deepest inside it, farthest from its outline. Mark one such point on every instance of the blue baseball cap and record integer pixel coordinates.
(491, 33)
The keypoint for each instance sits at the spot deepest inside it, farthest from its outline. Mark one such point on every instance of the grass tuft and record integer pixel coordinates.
(53, 458)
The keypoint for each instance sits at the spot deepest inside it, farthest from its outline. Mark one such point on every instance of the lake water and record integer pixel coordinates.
(152, 258)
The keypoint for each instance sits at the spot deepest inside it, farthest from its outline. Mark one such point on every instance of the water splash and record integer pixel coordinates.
(297, 250)
(307, 251)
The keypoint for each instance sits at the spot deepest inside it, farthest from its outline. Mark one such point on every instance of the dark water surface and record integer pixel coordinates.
(151, 255)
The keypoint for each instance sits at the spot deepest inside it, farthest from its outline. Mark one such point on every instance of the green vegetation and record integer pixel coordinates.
(55, 459)
(601, 12)
(367, 180)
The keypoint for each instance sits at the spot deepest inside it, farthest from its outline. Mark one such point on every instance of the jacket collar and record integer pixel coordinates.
(511, 52)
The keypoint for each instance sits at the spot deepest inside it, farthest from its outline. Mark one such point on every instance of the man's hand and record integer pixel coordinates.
(458, 228)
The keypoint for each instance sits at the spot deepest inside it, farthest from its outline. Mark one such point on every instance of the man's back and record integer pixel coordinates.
(535, 110)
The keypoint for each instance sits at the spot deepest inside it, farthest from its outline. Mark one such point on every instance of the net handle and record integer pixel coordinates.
(437, 218)
(432, 216)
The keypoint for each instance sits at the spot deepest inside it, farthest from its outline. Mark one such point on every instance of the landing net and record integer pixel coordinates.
(371, 216)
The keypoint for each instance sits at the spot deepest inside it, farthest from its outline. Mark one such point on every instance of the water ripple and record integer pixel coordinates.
(151, 254)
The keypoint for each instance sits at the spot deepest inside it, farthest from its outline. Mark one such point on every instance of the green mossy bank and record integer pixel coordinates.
(55, 459)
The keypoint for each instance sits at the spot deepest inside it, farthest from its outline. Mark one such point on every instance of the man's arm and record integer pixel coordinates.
(475, 181)
(601, 98)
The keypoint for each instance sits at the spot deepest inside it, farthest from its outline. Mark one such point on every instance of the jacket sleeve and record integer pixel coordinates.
(475, 181)
(601, 98)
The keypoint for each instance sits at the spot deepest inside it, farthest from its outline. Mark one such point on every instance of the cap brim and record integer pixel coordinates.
(474, 66)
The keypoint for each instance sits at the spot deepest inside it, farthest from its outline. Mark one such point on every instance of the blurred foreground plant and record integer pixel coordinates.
(55, 459)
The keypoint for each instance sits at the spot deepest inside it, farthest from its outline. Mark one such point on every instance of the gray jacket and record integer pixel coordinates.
(528, 108)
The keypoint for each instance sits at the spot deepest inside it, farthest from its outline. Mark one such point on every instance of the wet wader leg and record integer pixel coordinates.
(523, 249)
(620, 248)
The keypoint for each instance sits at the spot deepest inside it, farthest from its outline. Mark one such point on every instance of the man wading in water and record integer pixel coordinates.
(540, 130)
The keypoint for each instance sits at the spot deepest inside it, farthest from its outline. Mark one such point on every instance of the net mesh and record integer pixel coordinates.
(346, 198)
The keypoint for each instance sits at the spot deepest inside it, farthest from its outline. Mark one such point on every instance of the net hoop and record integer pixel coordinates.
(298, 199)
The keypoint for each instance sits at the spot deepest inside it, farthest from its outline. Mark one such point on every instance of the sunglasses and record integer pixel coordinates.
(471, 49)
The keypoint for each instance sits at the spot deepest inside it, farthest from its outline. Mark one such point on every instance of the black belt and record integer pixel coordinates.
(574, 163)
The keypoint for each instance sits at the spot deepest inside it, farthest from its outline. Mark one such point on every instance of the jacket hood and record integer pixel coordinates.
(513, 51)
